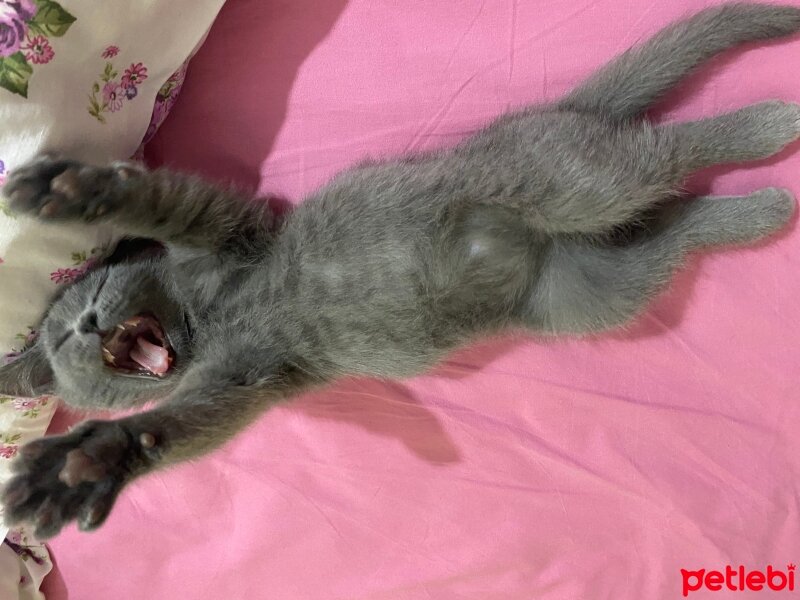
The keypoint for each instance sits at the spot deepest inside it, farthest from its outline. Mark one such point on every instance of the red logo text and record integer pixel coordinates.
(738, 580)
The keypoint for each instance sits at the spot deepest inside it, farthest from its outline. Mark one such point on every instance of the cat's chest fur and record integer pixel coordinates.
(342, 313)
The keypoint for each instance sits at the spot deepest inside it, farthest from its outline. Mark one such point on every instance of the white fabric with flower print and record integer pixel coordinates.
(23, 561)
(82, 78)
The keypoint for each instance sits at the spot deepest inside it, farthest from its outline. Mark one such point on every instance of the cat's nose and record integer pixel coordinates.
(88, 323)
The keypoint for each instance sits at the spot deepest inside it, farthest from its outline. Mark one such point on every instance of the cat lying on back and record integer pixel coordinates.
(558, 219)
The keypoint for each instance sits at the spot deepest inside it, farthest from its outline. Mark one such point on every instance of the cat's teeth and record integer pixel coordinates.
(108, 356)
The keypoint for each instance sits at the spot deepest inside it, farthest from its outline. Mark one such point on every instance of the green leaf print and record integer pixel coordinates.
(6, 211)
(108, 74)
(95, 109)
(51, 19)
(14, 74)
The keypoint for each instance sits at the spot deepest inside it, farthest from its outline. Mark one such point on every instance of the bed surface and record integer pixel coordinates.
(519, 469)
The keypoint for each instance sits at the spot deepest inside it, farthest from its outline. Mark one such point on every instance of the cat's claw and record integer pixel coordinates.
(51, 188)
(76, 476)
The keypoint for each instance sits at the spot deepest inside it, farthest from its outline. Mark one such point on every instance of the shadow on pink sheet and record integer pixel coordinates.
(239, 91)
(518, 469)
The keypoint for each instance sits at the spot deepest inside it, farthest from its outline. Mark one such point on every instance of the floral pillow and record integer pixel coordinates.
(92, 80)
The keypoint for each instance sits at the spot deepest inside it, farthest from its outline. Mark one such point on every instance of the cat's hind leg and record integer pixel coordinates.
(588, 287)
(633, 81)
(750, 133)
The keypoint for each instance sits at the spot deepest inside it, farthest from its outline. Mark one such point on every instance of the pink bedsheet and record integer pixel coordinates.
(520, 469)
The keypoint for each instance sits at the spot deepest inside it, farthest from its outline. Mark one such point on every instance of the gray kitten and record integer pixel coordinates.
(558, 219)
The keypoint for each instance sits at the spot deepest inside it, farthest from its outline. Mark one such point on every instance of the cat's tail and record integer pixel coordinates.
(629, 84)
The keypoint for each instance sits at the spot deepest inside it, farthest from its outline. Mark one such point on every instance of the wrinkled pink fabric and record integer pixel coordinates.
(519, 469)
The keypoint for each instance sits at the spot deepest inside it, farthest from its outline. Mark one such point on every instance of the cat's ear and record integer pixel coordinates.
(29, 375)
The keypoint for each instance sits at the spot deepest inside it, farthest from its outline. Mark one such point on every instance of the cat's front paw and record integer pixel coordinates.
(55, 189)
(75, 476)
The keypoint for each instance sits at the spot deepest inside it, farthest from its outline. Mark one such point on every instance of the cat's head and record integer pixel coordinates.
(117, 336)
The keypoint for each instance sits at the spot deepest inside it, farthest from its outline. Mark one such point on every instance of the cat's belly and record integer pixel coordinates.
(367, 319)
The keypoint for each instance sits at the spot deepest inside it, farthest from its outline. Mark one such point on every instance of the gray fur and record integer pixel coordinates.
(559, 219)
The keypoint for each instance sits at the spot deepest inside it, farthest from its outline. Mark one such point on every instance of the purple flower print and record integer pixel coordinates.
(38, 50)
(160, 110)
(13, 25)
(8, 451)
(110, 52)
(24, 403)
(67, 275)
(9, 358)
(114, 90)
(113, 95)
(15, 537)
(134, 75)
(3, 173)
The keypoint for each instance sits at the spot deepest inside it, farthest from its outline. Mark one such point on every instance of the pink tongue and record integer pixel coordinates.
(150, 356)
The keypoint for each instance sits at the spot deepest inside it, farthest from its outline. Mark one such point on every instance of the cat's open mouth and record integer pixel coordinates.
(138, 346)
